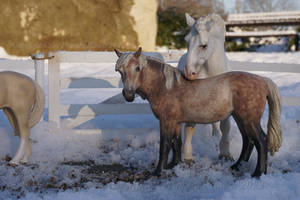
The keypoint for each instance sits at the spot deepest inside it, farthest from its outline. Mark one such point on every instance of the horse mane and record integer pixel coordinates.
(171, 74)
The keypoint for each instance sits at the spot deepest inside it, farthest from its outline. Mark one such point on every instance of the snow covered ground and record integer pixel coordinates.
(115, 164)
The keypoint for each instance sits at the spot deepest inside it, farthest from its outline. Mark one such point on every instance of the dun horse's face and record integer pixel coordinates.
(128, 65)
(200, 46)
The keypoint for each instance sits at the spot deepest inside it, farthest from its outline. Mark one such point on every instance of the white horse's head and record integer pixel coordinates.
(201, 41)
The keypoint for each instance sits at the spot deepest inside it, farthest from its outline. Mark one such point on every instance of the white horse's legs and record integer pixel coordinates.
(20, 153)
(219, 128)
(27, 152)
(24, 149)
(225, 140)
(189, 130)
(216, 129)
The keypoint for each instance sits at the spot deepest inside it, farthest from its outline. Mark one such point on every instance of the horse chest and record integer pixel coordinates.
(167, 108)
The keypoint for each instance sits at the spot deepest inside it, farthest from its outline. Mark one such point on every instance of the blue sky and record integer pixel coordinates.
(229, 5)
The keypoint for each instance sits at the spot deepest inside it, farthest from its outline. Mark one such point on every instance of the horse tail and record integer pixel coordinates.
(38, 106)
(274, 129)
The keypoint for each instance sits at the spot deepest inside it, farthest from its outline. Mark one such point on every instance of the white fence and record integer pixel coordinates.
(89, 111)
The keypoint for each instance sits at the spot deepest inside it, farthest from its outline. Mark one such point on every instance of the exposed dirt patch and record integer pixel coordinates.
(110, 173)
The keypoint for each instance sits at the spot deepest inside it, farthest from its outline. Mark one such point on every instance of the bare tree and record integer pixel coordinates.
(267, 5)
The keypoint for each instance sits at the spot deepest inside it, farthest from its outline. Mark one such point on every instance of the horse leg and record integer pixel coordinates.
(260, 142)
(164, 149)
(216, 129)
(189, 130)
(249, 150)
(224, 144)
(243, 155)
(28, 152)
(12, 120)
(247, 145)
(176, 147)
(24, 149)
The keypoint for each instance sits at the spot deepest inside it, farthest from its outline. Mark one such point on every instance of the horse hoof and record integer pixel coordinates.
(171, 165)
(234, 167)
(13, 164)
(189, 162)
(256, 174)
(157, 173)
(226, 157)
(23, 162)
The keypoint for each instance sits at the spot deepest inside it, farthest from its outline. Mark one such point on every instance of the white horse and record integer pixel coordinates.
(23, 101)
(205, 57)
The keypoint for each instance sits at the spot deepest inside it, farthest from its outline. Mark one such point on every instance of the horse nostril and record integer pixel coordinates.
(193, 73)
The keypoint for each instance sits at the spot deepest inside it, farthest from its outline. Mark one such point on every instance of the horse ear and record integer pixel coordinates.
(138, 52)
(189, 20)
(119, 54)
(218, 19)
(219, 25)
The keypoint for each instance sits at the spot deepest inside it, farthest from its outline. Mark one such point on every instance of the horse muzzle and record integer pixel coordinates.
(129, 95)
(190, 75)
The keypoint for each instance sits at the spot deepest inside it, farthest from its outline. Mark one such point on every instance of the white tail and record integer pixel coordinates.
(274, 129)
(38, 107)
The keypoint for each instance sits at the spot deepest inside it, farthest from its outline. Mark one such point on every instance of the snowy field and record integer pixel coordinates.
(116, 164)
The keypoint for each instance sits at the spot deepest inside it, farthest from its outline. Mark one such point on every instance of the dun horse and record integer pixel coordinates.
(23, 101)
(205, 57)
(175, 100)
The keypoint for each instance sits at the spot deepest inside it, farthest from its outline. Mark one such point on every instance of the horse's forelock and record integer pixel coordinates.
(208, 22)
(123, 60)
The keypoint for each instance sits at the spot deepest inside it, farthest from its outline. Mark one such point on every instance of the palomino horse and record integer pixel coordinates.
(175, 100)
(205, 57)
(23, 102)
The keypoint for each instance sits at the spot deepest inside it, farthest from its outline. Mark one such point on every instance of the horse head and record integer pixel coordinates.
(201, 41)
(130, 65)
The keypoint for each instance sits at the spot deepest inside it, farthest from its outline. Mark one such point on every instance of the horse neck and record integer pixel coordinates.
(217, 63)
(152, 81)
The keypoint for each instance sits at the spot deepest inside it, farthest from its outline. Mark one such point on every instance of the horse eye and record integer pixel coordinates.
(137, 69)
(202, 46)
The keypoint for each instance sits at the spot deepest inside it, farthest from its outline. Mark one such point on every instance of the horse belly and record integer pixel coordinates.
(210, 111)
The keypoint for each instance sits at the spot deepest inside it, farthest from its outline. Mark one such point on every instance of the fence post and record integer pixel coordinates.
(39, 66)
(54, 89)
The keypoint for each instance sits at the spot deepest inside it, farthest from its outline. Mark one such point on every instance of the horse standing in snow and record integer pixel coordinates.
(175, 100)
(205, 57)
(23, 102)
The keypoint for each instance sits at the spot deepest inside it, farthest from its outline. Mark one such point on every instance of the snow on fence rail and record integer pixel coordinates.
(269, 18)
(89, 111)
